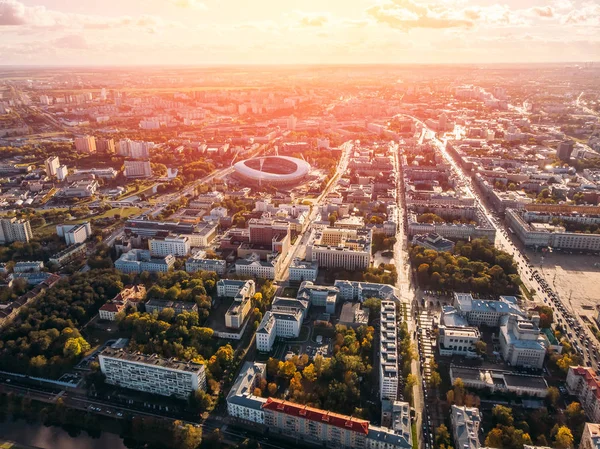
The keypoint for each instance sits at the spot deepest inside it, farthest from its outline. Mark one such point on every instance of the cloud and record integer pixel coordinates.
(189, 4)
(407, 14)
(587, 14)
(546, 12)
(15, 13)
(315, 21)
(12, 13)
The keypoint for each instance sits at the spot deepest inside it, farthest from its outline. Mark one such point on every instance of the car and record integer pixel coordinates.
(119, 414)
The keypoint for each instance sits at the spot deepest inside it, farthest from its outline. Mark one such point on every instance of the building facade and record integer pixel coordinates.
(151, 374)
(178, 246)
(15, 230)
(388, 353)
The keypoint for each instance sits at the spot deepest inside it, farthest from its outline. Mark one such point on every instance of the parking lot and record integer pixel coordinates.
(573, 277)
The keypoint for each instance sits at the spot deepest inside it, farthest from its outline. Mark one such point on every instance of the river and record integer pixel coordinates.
(43, 437)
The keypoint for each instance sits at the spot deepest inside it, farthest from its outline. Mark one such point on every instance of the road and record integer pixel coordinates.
(298, 250)
(585, 108)
(575, 331)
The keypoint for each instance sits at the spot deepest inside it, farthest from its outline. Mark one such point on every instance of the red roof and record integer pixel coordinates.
(315, 414)
(112, 307)
(591, 378)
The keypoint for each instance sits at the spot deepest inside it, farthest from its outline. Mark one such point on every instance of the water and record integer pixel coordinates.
(44, 437)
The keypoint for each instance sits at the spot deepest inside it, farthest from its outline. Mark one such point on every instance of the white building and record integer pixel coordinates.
(52, 164)
(281, 321)
(137, 169)
(253, 266)
(151, 374)
(28, 267)
(138, 260)
(521, 342)
(303, 270)
(230, 288)
(178, 246)
(584, 383)
(265, 333)
(85, 144)
(359, 291)
(242, 404)
(62, 172)
(388, 354)
(319, 295)
(197, 262)
(458, 340)
(77, 233)
(465, 427)
(15, 230)
(341, 248)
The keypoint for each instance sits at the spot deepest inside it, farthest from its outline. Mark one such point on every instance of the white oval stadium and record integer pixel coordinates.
(272, 170)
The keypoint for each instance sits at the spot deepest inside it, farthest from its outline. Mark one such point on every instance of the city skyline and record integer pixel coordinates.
(193, 32)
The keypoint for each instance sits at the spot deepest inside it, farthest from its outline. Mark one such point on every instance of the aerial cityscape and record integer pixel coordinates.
(259, 252)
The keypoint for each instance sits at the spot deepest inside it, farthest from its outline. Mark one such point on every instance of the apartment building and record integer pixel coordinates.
(151, 374)
(388, 354)
(52, 164)
(62, 172)
(178, 246)
(85, 144)
(73, 234)
(315, 426)
(135, 149)
(242, 404)
(303, 270)
(584, 383)
(327, 429)
(138, 260)
(15, 230)
(197, 262)
(158, 305)
(341, 248)
(69, 254)
(106, 146)
(591, 436)
(137, 169)
(465, 427)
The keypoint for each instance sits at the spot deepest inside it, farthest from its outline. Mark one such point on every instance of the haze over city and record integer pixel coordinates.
(198, 32)
(342, 224)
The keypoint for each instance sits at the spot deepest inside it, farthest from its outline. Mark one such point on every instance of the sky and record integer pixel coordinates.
(214, 32)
